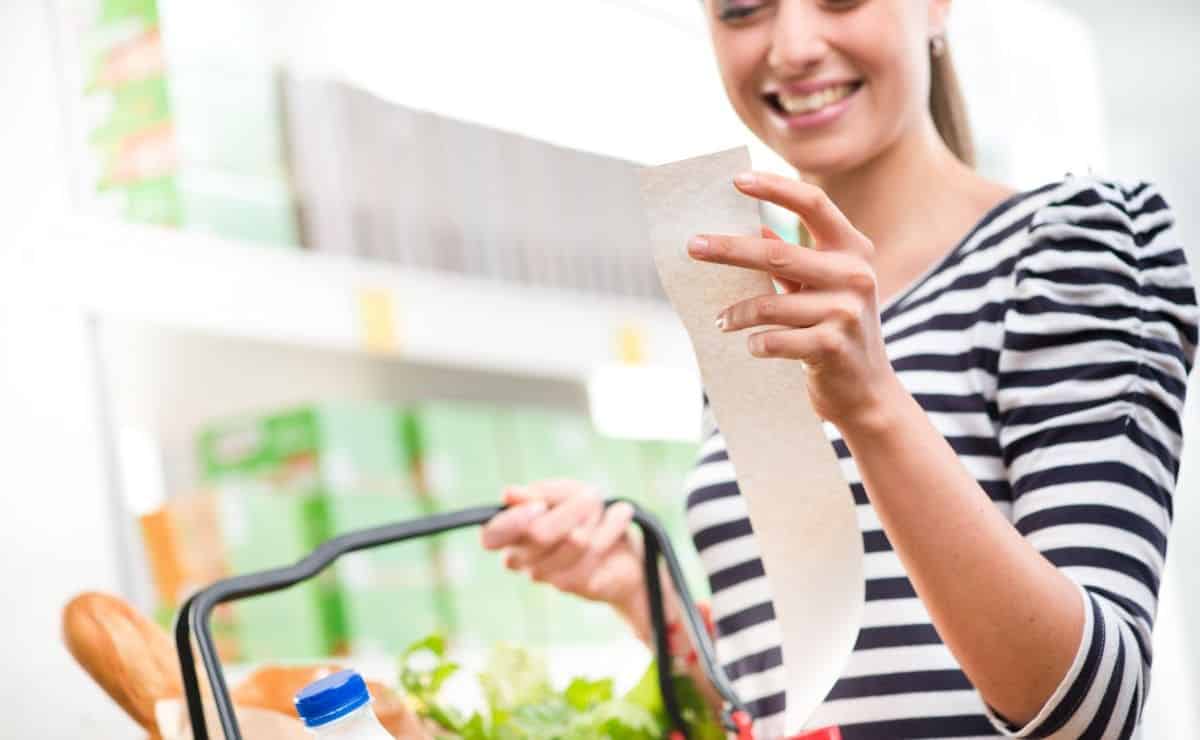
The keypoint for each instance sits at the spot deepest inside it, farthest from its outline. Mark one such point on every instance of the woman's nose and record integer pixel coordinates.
(798, 40)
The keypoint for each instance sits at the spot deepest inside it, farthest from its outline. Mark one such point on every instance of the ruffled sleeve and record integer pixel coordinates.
(1099, 339)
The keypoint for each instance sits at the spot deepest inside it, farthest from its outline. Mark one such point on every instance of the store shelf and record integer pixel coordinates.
(199, 283)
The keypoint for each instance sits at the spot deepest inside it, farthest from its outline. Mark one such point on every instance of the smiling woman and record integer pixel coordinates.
(810, 103)
(1002, 374)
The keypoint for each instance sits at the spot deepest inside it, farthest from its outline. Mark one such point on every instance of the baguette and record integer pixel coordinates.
(131, 657)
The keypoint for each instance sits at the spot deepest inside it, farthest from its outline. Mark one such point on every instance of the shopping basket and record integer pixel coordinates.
(193, 625)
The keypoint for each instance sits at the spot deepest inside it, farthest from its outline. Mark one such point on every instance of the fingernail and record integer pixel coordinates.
(722, 321)
(698, 245)
(535, 508)
(745, 180)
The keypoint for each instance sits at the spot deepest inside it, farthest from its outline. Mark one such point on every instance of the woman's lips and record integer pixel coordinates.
(812, 109)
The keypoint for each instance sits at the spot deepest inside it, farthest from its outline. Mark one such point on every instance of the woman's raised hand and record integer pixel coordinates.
(828, 312)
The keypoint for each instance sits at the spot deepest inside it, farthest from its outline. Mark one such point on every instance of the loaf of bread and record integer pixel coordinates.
(131, 657)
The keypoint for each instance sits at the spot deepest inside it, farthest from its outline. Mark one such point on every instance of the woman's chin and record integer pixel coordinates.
(820, 162)
(818, 156)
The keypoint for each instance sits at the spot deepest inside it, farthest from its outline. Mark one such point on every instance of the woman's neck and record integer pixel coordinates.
(915, 201)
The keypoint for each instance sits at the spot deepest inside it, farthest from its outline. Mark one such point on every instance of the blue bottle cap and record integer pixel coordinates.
(332, 697)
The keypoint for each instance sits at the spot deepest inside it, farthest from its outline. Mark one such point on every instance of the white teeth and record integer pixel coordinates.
(800, 104)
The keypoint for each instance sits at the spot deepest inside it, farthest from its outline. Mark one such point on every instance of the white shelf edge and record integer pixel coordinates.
(195, 282)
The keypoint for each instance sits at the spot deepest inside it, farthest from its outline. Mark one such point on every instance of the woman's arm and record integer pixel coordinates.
(1012, 619)
(1051, 620)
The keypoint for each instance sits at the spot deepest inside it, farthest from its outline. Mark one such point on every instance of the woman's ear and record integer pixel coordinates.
(939, 14)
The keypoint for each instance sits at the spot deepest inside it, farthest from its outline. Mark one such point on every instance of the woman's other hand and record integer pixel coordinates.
(559, 532)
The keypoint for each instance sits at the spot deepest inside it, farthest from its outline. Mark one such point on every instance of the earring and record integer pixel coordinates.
(937, 45)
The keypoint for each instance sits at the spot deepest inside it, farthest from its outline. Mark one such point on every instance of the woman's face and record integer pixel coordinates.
(827, 84)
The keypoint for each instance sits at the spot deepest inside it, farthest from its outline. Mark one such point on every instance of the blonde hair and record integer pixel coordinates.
(947, 106)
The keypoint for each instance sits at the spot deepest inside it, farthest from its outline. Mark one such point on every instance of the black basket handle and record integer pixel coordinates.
(195, 615)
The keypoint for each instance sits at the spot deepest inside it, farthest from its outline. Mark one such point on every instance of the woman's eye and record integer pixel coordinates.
(842, 4)
(732, 11)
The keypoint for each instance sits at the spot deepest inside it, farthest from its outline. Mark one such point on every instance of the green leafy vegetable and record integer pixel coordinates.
(523, 705)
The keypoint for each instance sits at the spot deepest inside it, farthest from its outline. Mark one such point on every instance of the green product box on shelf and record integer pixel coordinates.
(552, 444)
(256, 209)
(617, 468)
(351, 463)
(458, 449)
(128, 112)
(621, 468)
(557, 444)
(462, 455)
(330, 447)
(229, 135)
(264, 528)
(391, 595)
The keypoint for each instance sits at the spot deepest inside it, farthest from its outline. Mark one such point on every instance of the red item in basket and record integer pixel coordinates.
(825, 733)
(746, 730)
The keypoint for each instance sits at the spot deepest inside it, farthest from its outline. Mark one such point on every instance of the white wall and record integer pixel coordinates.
(56, 526)
(1152, 107)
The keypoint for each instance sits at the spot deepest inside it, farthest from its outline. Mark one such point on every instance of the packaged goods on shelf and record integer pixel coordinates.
(234, 527)
(130, 131)
(233, 178)
(339, 447)
(380, 180)
(390, 595)
(549, 445)
(179, 136)
(461, 459)
(290, 479)
(186, 551)
(351, 463)
(266, 527)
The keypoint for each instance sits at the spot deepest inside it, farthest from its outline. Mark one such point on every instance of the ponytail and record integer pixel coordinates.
(947, 106)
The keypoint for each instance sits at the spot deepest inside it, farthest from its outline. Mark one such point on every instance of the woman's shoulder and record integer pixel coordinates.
(1104, 248)
(1133, 206)
(1084, 220)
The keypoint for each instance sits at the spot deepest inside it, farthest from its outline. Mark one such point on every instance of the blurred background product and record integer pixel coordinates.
(380, 180)
(272, 271)
(283, 482)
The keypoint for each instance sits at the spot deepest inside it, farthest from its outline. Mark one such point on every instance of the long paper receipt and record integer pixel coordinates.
(799, 503)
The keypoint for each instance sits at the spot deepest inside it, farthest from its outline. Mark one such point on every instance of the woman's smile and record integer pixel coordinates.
(810, 105)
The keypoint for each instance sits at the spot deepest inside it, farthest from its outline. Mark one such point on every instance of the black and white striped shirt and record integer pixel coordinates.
(1051, 347)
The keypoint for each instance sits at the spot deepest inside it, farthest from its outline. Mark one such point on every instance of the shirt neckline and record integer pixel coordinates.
(893, 303)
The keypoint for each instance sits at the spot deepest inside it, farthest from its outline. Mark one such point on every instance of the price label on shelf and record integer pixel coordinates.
(629, 343)
(377, 320)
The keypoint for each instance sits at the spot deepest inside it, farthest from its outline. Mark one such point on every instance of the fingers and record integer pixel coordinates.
(549, 529)
(613, 526)
(509, 526)
(553, 492)
(775, 256)
(570, 549)
(795, 310)
(527, 504)
(824, 220)
(578, 564)
(810, 345)
(543, 514)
